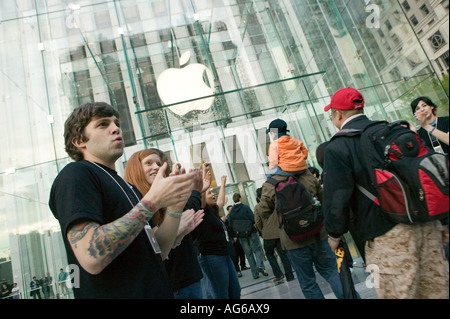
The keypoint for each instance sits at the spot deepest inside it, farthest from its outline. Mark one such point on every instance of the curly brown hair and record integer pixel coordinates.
(77, 122)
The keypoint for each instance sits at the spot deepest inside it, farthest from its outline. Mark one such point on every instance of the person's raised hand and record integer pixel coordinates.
(206, 176)
(421, 117)
(197, 180)
(177, 169)
(172, 191)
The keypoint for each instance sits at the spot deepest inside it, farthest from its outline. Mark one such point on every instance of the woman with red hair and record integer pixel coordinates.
(182, 265)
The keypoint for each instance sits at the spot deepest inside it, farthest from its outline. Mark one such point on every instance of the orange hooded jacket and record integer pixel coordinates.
(288, 153)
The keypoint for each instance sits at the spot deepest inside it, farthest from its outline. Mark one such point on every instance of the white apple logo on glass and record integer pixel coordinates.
(194, 81)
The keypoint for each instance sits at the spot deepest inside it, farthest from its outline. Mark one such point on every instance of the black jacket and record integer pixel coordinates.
(240, 212)
(345, 207)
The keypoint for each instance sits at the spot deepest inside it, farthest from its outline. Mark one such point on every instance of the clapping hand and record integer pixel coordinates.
(189, 220)
(173, 191)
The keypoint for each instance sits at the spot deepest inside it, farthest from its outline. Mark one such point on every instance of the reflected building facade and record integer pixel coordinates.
(268, 59)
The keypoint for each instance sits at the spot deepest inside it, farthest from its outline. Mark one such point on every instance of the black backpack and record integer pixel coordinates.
(411, 182)
(301, 213)
(242, 228)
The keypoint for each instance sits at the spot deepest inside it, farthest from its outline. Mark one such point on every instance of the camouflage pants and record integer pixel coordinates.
(408, 262)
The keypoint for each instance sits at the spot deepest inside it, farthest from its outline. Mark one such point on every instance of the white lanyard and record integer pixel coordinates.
(148, 230)
(131, 203)
(437, 148)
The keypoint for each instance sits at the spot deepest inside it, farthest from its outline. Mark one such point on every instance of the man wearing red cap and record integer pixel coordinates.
(408, 259)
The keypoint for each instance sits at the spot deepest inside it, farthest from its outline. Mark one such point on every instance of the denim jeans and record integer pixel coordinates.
(279, 171)
(324, 260)
(252, 248)
(205, 283)
(193, 291)
(222, 275)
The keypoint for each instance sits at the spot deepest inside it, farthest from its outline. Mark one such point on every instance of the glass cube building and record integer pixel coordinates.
(235, 65)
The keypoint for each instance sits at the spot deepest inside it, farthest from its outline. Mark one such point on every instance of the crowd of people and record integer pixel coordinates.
(42, 288)
(10, 291)
(157, 232)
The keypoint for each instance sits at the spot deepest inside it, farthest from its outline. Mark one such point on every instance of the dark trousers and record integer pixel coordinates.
(240, 254)
(269, 247)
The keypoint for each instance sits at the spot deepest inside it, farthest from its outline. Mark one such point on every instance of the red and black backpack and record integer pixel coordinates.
(411, 181)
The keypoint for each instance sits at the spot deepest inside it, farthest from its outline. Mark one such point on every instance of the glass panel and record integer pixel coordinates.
(254, 60)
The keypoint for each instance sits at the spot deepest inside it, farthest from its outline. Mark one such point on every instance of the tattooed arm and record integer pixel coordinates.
(95, 245)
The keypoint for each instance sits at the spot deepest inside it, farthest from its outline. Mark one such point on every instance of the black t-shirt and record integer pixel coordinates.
(442, 125)
(182, 265)
(83, 190)
(211, 234)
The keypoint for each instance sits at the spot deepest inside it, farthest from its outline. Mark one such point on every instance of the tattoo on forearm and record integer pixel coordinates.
(109, 240)
(77, 232)
(148, 205)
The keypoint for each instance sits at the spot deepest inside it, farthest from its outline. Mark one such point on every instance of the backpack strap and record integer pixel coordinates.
(272, 181)
(347, 132)
(355, 131)
(368, 194)
(275, 182)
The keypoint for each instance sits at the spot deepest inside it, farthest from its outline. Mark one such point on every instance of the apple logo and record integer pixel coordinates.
(194, 81)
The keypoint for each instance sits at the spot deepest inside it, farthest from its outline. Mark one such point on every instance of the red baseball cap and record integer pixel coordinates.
(344, 99)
